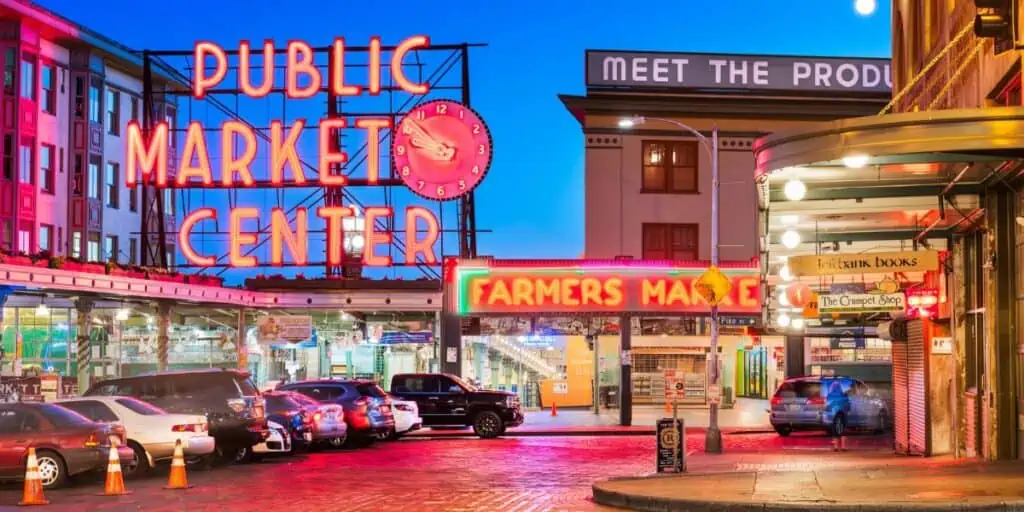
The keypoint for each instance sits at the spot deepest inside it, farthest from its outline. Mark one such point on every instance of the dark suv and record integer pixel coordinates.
(367, 408)
(446, 400)
(232, 404)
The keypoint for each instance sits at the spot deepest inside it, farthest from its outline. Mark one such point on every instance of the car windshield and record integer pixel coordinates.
(62, 417)
(246, 386)
(468, 386)
(370, 389)
(800, 389)
(281, 403)
(303, 399)
(140, 407)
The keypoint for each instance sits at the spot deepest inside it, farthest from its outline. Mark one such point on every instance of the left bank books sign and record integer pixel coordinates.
(710, 71)
(274, 329)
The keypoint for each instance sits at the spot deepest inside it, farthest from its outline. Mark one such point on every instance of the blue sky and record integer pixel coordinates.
(532, 198)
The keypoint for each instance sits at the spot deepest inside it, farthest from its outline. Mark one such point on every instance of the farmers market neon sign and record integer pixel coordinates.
(147, 158)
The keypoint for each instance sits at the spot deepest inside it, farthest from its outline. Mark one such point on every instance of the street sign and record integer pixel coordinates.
(675, 387)
(713, 285)
(670, 456)
(714, 393)
(561, 388)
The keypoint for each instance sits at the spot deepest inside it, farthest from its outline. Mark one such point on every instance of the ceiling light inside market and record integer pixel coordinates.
(797, 323)
(789, 220)
(123, 314)
(865, 7)
(855, 161)
(629, 122)
(785, 274)
(795, 190)
(791, 239)
(783, 300)
(42, 310)
(782, 320)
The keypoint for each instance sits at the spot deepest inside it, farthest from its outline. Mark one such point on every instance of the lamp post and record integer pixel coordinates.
(713, 438)
(353, 243)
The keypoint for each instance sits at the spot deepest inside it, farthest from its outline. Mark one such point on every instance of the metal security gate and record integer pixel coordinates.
(901, 427)
(917, 387)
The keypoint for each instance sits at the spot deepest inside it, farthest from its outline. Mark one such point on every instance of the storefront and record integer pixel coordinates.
(608, 333)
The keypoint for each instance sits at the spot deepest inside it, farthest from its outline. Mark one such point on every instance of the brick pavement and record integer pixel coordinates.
(510, 474)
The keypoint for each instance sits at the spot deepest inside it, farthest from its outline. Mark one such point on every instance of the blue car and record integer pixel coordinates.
(827, 403)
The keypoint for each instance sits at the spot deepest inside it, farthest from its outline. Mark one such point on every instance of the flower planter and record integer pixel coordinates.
(93, 268)
(168, 278)
(136, 274)
(203, 280)
(17, 260)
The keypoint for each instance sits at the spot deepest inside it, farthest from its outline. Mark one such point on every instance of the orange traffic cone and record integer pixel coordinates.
(554, 409)
(33, 494)
(177, 479)
(668, 407)
(115, 479)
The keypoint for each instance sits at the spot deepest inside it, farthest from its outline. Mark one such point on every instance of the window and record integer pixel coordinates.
(24, 241)
(168, 201)
(170, 255)
(94, 180)
(139, 407)
(9, 57)
(45, 237)
(94, 103)
(111, 190)
(670, 242)
(6, 234)
(49, 89)
(416, 384)
(77, 178)
(113, 112)
(27, 175)
(76, 244)
(93, 249)
(46, 175)
(28, 79)
(9, 157)
(670, 167)
(169, 117)
(110, 248)
(133, 251)
(135, 109)
(62, 417)
(133, 199)
(320, 393)
(79, 98)
(92, 409)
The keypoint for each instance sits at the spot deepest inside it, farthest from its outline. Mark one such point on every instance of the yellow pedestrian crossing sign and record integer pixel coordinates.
(713, 285)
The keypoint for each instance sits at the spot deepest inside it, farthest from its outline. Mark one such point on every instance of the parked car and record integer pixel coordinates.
(366, 407)
(66, 442)
(285, 410)
(278, 441)
(447, 400)
(829, 403)
(151, 431)
(329, 425)
(234, 409)
(407, 418)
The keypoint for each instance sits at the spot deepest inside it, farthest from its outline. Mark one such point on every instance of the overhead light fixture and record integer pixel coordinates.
(791, 239)
(783, 299)
(629, 122)
(795, 190)
(865, 7)
(42, 309)
(123, 314)
(855, 161)
(797, 323)
(783, 320)
(789, 220)
(785, 274)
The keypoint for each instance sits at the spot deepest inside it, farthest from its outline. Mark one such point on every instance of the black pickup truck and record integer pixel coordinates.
(446, 400)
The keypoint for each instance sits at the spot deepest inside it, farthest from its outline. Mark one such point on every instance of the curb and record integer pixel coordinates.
(658, 504)
(574, 433)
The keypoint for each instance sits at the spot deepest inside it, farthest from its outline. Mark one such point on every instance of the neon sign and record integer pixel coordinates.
(482, 287)
(147, 157)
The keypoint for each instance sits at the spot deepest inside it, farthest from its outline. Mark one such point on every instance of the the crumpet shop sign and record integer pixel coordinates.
(862, 303)
(868, 263)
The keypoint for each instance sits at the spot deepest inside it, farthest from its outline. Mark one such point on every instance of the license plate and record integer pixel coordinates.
(794, 407)
(257, 411)
(307, 436)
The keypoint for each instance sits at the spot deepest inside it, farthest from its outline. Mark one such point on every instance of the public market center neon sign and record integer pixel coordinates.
(506, 287)
(147, 159)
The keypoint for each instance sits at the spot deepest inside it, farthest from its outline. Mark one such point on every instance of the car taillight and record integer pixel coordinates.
(192, 427)
(816, 400)
(776, 400)
(316, 417)
(93, 441)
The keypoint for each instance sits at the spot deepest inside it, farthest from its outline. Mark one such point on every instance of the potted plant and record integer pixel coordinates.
(41, 259)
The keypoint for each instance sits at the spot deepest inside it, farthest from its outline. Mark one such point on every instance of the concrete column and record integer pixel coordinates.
(83, 346)
(240, 346)
(163, 334)
(626, 371)
(794, 355)
(451, 338)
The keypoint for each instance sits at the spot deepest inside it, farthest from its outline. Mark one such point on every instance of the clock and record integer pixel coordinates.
(441, 150)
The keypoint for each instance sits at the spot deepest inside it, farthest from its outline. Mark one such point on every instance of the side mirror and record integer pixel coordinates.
(455, 389)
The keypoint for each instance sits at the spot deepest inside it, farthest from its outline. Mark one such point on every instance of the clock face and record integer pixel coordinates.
(441, 150)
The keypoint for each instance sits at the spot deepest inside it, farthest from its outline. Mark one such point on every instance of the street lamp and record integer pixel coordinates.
(353, 243)
(713, 437)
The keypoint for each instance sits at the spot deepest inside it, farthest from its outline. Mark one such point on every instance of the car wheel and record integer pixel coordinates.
(883, 422)
(783, 431)
(139, 464)
(52, 471)
(488, 425)
(838, 426)
(390, 435)
(336, 442)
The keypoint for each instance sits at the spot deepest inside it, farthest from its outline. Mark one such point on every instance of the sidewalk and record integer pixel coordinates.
(842, 481)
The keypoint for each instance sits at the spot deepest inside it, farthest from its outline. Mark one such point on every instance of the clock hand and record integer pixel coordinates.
(420, 137)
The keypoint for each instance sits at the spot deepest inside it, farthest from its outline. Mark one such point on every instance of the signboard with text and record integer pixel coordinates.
(866, 263)
(862, 303)
(717, 71)
(274, 329)
(507, 287)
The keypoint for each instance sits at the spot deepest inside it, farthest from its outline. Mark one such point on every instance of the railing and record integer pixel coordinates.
(521, 354)
(946, 71)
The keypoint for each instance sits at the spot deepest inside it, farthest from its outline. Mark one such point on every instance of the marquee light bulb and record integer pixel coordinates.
(785, 274)
(783, 299)
(783, 320)
(855, 161)
(865, 7)
(797, 323)
(791, 239)
(795, 190)
(123, 314)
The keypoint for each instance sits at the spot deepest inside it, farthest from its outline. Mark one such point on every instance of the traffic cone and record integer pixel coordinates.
(177, 479)
(554, 409)
(33, 494)
(668, 407)
(115, 479)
